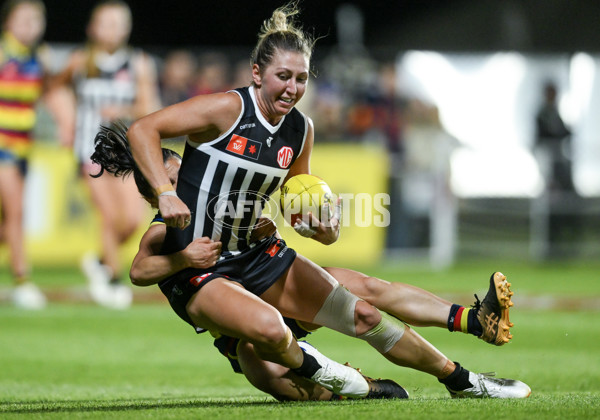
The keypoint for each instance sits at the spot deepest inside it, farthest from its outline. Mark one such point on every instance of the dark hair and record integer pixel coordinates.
(113, 153)
(9, 6)
(281, 32)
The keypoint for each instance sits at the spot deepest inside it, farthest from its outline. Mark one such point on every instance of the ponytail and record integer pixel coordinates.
(281, 32)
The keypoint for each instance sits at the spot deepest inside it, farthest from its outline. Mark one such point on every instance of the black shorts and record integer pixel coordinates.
(256, 269)
(228, 346)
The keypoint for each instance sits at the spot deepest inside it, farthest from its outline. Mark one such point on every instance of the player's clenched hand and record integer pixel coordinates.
(174, 211)
(202, 253)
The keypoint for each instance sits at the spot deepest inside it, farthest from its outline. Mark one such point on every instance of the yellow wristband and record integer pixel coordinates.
(163, 188)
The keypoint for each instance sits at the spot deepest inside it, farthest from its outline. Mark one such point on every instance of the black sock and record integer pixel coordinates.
(473, 324)
(453, 310)
(308, 367)
(457, 380)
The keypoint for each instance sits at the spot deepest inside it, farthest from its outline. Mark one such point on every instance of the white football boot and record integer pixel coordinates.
(486, 386)
(338, 378)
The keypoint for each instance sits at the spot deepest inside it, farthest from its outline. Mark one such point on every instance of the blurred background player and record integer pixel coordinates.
(111, 80)
(21, 86)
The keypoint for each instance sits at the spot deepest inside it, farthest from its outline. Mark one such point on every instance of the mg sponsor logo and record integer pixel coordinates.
(284, 156)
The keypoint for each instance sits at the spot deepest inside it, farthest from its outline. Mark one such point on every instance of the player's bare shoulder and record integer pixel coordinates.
(230, 102)
(225, 108)
(214, 113)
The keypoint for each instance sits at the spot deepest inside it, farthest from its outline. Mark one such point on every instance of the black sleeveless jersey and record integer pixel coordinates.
(227, 182)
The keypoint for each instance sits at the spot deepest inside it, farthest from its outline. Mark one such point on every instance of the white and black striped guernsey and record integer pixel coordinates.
(114, 85)
(227, 181)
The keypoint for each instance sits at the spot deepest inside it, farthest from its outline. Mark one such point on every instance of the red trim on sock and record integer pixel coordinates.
(457, 317)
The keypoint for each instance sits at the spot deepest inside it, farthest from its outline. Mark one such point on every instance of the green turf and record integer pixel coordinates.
(556, 278)
(82, 361)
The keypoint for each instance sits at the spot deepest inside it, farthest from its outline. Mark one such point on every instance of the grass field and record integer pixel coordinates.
(77, 360)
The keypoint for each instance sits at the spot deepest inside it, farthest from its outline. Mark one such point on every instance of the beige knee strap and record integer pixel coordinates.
(337, 311)
(385, 334)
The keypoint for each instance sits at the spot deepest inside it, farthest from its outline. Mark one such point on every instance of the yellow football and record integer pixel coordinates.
(302, 194)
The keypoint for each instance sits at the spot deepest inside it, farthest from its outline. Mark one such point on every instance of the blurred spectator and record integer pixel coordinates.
(389, 108)
(176, 83)
(177, 77)
(112, 81)
(553, 144)
(378, 112)
(553, 136)
(242, 74)
(387, 112)
(213, 74)
(327, 111)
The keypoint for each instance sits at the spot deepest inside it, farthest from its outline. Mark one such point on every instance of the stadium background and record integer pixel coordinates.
(465, 97)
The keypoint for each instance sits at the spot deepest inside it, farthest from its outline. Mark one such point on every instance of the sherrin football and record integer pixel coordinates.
(302, 194)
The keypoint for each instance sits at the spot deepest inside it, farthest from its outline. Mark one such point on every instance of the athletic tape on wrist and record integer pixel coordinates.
(163, 188)
(172, 193)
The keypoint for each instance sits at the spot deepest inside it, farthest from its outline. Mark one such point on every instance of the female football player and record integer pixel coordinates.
(242, 145)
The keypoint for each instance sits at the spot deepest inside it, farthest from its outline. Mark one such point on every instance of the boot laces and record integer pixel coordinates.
(477, 304)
